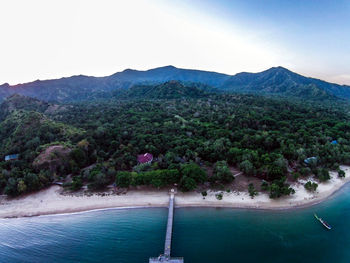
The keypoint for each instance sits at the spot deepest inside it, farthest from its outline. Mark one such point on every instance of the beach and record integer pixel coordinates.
(52, 201)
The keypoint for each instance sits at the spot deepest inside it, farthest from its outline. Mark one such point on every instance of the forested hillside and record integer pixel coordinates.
(279, 80)
(167, 90)
(187, 130)
(17, 102)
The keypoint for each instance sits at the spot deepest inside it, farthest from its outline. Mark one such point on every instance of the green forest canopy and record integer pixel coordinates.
(261, 136)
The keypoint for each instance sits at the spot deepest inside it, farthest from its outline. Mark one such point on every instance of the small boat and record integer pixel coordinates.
(324, 223)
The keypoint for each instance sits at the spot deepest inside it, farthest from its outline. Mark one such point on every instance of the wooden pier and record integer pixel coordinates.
(169, 231)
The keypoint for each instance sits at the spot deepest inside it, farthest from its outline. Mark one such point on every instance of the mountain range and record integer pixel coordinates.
(274, 81)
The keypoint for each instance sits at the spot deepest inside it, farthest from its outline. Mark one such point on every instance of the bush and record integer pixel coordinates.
(335, 166)
(187, 184)
(310, 186)
(341, 173)
(123, 179)
(141, 167)
(100, 180)
(247, 167)
(279, 188)
(193, 171)
(21, 187)
(221, 173)
(79, 156)
(11, 187)
(296, 175)
(322, 174)
(252, 191)
(264, 186)
(32, 182)
(76, 184)
(304, 171)
(219, 196)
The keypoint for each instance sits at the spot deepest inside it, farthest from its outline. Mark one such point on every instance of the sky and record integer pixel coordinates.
(45, 39)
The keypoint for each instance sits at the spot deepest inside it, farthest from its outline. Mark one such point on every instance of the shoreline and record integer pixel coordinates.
(50, 201)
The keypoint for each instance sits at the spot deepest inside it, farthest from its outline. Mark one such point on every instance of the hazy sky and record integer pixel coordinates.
(43, 39)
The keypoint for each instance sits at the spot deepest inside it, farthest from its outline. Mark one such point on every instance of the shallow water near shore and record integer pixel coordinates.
(200, 235)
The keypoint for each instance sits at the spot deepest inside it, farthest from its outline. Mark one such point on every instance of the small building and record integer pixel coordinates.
(144, 158)
(334, 142)
(11, 157)
(310, 160)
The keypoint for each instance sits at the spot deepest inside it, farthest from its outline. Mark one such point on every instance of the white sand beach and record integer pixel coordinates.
(51, 201)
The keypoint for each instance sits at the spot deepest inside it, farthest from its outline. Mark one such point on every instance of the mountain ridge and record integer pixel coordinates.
(276, 80)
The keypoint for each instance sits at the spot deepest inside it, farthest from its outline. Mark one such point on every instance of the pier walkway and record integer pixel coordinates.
(169, 231)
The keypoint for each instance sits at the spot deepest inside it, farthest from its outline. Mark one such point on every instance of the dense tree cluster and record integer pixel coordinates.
(264, 137)
(188, 177)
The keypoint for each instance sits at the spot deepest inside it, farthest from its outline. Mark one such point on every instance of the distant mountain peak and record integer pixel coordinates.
(5, 85)
(282, 81)
(169, 67)
(278, 69)
(129, 70)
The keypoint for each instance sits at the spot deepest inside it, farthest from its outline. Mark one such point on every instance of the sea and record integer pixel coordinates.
(200, 235)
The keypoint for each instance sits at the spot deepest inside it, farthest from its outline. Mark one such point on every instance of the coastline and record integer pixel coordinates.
(51, 202)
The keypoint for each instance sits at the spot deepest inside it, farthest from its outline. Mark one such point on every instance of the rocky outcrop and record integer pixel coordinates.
(54, 158)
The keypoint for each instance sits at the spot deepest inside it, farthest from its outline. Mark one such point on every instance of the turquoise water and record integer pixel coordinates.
(200, 235)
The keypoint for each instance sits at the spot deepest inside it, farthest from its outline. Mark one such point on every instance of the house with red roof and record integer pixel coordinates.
(144, 158)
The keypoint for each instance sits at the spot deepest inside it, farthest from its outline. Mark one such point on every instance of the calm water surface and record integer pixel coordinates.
(200, 235)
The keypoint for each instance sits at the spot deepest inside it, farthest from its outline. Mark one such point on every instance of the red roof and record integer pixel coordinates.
(145, 158)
